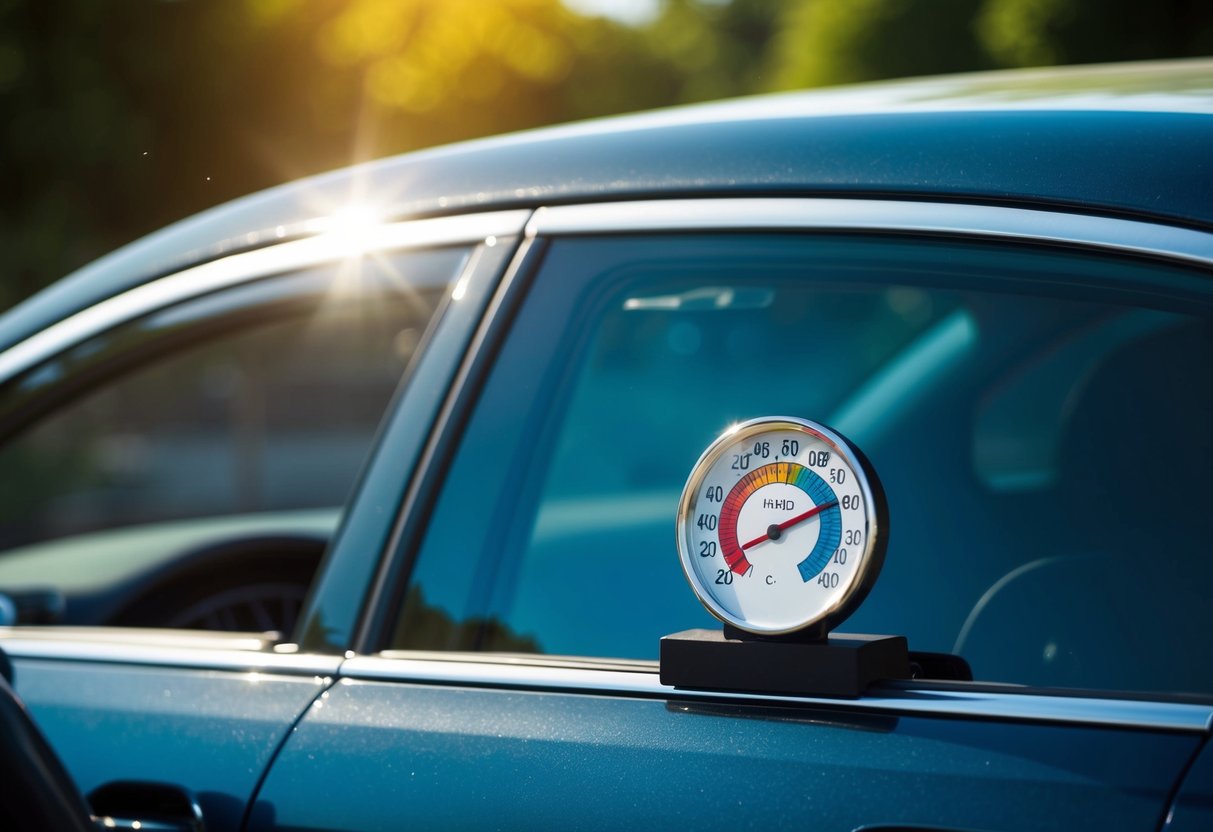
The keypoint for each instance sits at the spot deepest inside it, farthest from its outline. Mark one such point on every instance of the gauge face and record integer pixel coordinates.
(781, 526)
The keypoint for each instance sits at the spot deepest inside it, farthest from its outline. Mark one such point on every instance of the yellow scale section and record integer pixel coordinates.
(785, 472)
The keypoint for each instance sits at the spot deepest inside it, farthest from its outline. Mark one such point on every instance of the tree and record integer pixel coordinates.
(123, 117)
(713, 50)
(1045, 32)
(835, 41)
(838, 41)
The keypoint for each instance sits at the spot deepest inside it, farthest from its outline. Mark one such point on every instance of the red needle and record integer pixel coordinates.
(787, 524)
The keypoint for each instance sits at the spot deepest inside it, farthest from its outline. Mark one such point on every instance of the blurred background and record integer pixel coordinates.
(123, 116)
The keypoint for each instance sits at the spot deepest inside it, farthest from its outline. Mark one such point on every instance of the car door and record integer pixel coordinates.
(214, 421)
(1024, 383)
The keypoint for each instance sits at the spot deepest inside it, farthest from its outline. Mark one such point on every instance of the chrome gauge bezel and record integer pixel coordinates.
(875, 524)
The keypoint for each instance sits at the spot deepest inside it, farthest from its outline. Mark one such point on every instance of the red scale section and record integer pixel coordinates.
(730, 546)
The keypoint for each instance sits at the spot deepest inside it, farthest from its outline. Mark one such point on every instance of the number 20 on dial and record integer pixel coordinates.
(782, 527)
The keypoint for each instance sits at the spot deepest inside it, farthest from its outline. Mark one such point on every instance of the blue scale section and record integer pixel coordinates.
(831, 524)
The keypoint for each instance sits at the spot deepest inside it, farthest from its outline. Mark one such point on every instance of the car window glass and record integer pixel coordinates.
(1038, 421)
(241, 414)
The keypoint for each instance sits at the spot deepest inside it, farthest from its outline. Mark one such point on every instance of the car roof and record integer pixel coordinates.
(1124, 140)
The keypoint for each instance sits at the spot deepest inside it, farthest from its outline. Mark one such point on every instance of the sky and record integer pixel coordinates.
(626, 11)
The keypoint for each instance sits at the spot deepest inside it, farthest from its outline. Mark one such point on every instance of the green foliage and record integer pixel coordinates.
(1044, 32)
(715, 50)
(838, 41)
(122, 117)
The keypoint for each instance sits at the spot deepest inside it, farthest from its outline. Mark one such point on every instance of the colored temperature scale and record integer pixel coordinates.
(817, 500)
(781, 527)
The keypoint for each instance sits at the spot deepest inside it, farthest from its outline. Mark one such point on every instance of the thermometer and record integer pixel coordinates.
(782, 527)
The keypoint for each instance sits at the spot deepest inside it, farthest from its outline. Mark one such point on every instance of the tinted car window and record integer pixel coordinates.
(261, 399)
(1037, 420)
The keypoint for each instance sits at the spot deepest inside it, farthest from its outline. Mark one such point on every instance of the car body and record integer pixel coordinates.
(998, 286)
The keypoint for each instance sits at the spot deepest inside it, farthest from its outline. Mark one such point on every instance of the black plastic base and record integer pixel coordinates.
(842, 666)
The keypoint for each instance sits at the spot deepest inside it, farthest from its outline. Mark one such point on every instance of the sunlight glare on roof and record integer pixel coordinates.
(351, 228)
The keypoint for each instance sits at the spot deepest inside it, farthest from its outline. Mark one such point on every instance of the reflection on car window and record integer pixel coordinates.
(1000, 395)
(259, 401)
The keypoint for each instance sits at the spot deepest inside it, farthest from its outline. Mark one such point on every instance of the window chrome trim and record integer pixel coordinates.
(642, 681)
(1120, 235)
(637, 679)
(333, 246)
(186, 650)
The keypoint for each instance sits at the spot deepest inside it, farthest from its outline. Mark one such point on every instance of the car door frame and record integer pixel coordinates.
(74, 678)
(366, 663)
(563, 681)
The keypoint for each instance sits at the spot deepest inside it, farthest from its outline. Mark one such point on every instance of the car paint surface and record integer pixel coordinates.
(215, 730)
(1192, 808)
(462, 758)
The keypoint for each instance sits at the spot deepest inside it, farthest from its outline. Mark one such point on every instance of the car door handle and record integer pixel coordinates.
(147, 807)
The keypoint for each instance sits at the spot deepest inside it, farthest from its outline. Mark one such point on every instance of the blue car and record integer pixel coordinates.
(358, 504)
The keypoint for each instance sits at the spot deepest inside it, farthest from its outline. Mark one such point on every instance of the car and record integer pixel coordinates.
(352, 504)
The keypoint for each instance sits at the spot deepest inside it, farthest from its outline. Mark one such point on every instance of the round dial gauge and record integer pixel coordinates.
(782, 527)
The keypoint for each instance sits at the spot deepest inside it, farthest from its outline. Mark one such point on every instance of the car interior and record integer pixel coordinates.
(187, 468)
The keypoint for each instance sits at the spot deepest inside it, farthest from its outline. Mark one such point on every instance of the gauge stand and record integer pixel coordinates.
(840, 665)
